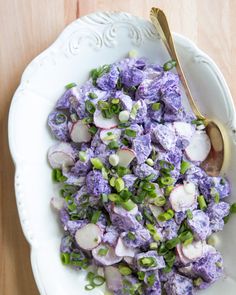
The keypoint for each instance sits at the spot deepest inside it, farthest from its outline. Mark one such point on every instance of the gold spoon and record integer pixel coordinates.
(214, 161)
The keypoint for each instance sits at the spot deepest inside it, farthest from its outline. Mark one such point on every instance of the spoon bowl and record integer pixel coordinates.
(214, 161)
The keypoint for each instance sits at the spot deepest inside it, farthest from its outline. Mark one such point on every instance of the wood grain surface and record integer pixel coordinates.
(29, 26)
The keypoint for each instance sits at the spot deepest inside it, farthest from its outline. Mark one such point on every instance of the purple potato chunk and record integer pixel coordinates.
(142, 147)
(125, 101)
(165, 136)
(149, 261)
(81, 168)
(209, 267)
(144, 170)
(109, 80)
(73, 225)
(66, 244)
(155, 115)
(141, 115)
(57, 121)
(96, 184)
(209, 186)
(69, 99)
(153, 283)
(140, 238)
(172, 100)
(169, 229)
(200, 225)
(111, 236)
(179, 285)
(131, 77)
(149, 90)
(216, 213)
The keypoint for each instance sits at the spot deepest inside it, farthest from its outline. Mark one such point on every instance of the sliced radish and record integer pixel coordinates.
(113, 278)
(100, 271)
(109, 259)
(89, 236)
(181, 198)
(121, 211)
(57, 203)
(60, 155)
(189, 187)
(122, 251)
(129, 260)
(184, 129)
(80, 132)
(193, 251)
(106, 137)
(199, 147)
(104, 123)
(181, 256)
(126, 156)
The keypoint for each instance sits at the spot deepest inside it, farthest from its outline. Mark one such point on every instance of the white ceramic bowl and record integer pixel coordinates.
(96, 39)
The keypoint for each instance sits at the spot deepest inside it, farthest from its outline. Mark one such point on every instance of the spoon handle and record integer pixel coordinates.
(159, 20)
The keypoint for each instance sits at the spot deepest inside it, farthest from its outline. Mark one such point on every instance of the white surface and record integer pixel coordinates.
(87, 43)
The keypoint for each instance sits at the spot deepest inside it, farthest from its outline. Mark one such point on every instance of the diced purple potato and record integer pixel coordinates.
(96, 140)
(199, 224)
(137, 128)
(169, 229)
(179, 217)
(124, 221)
(131, 77)
(61, 154)
(111, 236)
(156, 211)
(159, 261)
(106, 138)
(69, 99)
(165, 276)
(80, 194)
(122, 250)
(199, 147)
(81, 168)
(109, 80)
(64, 216)
(103, 153)
(179, 285)
(109, 259)
(142, 147)
(187, 271)
(141, 115)
(118, 210)
(96, 184)
(113, 277)
(73, 225)
(89, 236)
(209, 267)
(104, 123)
(172, 100)
(144, 170)
(149, 125)
(155, 289)
(149, 89)
(142, 238)
(169, 82)
(194, 174)
(57, 121)
(125, 101)
(170, 116)
(80, 132)
(211, 185)
(126, 156)
(66, 244)
(72, 178)
(182, 197)
(165, 136)
(129, 180)
(218, 210)
(57, 203)
(155, 115)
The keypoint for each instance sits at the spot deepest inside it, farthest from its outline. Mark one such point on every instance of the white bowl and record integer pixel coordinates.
(93, 40)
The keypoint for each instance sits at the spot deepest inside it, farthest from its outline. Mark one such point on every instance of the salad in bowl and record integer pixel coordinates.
(137, 211)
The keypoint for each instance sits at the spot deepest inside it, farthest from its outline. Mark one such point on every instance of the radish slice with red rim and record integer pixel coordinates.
(193, 251)
(80, 132)
(89, 236)
(126, 156)
(122, 251)
(108, 135)
(61, 155)
(104, 123)
(105, 255)
(113, 278)
(182, 197)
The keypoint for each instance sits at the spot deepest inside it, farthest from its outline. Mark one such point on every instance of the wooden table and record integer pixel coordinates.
(29, 26)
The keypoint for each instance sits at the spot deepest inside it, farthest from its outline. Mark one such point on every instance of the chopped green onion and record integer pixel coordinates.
(151, 280)
(147, 186)
(70, 85)
(65, 258)
(197, 282)
(98, 281)
(172, 243)
(148, 216)
(114, 197)
(57, 175)
(150, 177)
(97, 164)
(217, 198)
(112, 181)
(138, 217)
(128, 205)
(121, 171)
(162, 250)
(96, 216)
(93, 130)
(104, 198)
(141, 275)
(169, 65)
(166, 166)
(166, 215)
(113, 145)
(156, 106)
(82, 156)
(233, 208)
(167, 269)
(89, 287)
(186, 237)
(189, 214)
(134, 110)
(156, 237)
(87, 120)
(90, 107)
(107, 114)
(202, 202)
(198, 122)
(184, 167)
(103, 251)
(170, 258)
(152, 194)
(103, 105)
(131, 236)
(60, 118)
(119, 184)
(115, 100)
(125, 194)
(150, 162)
(92, 95)
(125, 270)
(130, 132)
(125, 141)
(166, 180)
(104, 173)
(153, 246)
(160, 201)
(97, 73)
(148, 262)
